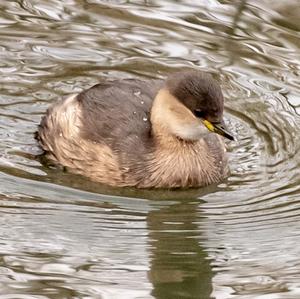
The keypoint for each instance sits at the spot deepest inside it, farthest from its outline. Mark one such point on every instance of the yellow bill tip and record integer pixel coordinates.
(218, 128)
(209, 125)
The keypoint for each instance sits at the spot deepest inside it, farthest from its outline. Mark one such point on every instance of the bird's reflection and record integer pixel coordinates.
(179, 266)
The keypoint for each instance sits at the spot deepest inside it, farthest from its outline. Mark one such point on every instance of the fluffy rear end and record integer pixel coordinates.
(60, 123)
(59, 135)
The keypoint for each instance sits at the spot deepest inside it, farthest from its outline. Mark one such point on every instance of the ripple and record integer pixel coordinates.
(64, 236)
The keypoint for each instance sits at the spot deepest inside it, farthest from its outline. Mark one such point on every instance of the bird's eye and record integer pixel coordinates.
(199, 113)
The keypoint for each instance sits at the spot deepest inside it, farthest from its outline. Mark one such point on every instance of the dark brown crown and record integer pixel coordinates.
(199, 92)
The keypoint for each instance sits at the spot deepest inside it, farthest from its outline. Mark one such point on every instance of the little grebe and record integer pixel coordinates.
(142, 133)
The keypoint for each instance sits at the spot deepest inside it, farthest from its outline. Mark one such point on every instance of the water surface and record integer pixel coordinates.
(62, 236)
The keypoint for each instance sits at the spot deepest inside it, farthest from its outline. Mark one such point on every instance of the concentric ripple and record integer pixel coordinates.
(63, 236)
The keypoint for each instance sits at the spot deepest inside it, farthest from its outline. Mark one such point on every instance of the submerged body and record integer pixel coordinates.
(136, 133)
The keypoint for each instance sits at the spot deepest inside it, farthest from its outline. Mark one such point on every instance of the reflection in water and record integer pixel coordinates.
(62, 236)
(179, 266)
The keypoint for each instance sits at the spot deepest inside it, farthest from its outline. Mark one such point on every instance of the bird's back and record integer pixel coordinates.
(117, 113)
(103, 132)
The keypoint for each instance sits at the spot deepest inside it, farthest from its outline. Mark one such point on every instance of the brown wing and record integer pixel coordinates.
(117, 114)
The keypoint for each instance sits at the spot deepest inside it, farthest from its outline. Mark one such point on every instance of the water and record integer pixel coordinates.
(62, 236)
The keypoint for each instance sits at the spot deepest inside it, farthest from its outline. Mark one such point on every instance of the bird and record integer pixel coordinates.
(143, 133)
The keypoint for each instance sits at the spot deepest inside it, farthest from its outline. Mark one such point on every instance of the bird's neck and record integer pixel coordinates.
(172, 121)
